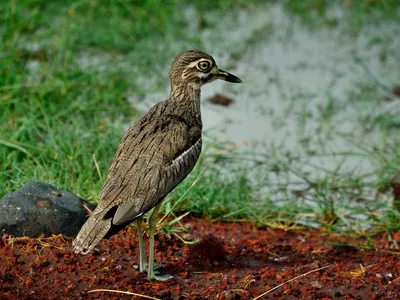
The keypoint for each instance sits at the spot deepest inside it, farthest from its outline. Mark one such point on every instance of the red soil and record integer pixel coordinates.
(232, 261)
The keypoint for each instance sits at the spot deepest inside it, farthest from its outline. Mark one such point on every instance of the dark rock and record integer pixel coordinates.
(41, 209)
(221, 100)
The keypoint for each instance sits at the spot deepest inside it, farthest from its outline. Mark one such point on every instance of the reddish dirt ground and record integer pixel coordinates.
(232, 261)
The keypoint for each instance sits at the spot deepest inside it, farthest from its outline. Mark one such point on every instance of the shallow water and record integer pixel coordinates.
(300, 86)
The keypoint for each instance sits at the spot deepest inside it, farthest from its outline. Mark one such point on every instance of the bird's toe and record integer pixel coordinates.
(163, 277)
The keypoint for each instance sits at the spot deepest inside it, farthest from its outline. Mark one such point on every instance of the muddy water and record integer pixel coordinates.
(301, 96)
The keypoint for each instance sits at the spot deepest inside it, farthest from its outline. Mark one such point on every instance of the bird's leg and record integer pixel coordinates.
(152, 224)
(142, 259)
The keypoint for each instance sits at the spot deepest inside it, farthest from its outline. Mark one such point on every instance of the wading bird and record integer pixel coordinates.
(156, 153)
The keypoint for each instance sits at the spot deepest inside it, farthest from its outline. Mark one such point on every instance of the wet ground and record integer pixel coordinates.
(231, 261)
(306, 91)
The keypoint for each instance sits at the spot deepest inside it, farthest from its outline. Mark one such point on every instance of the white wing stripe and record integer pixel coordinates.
(181, 160)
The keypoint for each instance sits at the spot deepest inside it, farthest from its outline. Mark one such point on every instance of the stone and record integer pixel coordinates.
(40, 209)
(221, 100)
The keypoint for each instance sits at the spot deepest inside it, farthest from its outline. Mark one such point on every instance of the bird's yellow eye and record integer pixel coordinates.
(203, 66)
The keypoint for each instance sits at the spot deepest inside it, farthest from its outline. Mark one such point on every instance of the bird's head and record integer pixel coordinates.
(196, 68)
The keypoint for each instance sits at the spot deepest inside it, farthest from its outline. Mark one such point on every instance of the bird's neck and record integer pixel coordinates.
(189, 97)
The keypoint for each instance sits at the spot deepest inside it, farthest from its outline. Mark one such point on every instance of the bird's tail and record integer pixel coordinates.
(91, 233)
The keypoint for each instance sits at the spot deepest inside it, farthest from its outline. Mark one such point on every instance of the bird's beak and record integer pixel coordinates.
(227, 76)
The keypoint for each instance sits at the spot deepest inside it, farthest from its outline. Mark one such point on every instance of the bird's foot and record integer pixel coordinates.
(163, 277)
(155, 273)
(158, 267)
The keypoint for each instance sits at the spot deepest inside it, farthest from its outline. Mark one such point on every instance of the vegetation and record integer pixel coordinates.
(70, 69)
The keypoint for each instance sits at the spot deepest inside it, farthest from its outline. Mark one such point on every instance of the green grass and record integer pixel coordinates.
(67, 69)
(56, 116)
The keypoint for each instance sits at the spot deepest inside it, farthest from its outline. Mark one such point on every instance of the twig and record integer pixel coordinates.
(232, 147)
(97, 167)
(85, 207)
(123, 292)
(279, 285)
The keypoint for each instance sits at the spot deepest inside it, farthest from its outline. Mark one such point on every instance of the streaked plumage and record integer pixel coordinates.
(156, 153)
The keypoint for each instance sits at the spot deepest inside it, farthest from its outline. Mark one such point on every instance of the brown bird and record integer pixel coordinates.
(156, 153)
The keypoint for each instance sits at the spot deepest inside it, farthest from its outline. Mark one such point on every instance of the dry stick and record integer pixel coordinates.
(279, 285)
(231, 147)
(85, 207)
(97, 167)
(123, 292)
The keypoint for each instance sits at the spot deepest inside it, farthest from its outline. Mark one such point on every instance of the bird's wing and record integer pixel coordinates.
(147, 166)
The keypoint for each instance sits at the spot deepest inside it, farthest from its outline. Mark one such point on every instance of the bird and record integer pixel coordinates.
(156, 153)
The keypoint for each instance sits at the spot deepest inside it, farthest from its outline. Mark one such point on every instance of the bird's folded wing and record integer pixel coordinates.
(146, 175)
